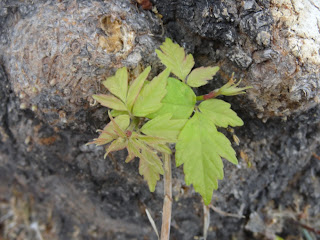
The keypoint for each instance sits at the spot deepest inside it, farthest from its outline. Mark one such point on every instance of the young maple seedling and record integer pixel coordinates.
(148, 115)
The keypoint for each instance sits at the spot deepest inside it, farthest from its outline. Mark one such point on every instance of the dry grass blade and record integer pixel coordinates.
(223, 213)
(152, 223)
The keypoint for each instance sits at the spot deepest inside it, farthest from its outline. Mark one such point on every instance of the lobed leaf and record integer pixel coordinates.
(174, 58)
(149, 99)
(200, 76)
(220, 113)
(108, 134)
(200, 148)
(135, 87)
(116, 145)
(116, 128)
(110, 102)
(118, 84)
(179, 101)
(163, 126)
(150, 165)
(115, 113)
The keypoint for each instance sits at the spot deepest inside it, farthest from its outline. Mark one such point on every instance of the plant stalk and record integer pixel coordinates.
(167, 201)
(210, 95)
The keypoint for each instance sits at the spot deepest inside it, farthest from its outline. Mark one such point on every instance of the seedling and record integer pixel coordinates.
(147, 116)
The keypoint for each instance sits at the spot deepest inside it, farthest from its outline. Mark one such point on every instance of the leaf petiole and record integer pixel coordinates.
(210, 95)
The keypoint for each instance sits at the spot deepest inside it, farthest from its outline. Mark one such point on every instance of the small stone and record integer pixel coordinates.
(23, 106)
(34, 108)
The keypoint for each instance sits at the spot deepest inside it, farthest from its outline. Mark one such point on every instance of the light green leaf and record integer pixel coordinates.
(200, 76)
(110, 102)
(179, 101)
(164, 126)
(116, 128)
(108, 133)
(156, 143)
(133, 151)
(174, 58)
(161, 148)
(220, 113)
(150, 139)
(116, 145)
(149, 99)
(118, 84)
(150, 166)
(115, 113)
(231, 88)
(135, 88)
(200, 148)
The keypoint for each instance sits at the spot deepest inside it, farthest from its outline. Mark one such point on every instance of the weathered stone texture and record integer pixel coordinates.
(59, 52)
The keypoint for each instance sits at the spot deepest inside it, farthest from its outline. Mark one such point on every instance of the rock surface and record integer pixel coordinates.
(55, 53)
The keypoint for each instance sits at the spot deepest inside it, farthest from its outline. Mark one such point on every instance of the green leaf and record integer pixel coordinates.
(149, 99)
(110, 102)
(116, 128)
(200, 148)
(155, 143)
(116, 145)
(220, 113)
(200, 76)
(174, 58)
(118, 84)
(108, 134)
(150, 166)
(115, 113)
(164, 126)
(150, 139)
(231, 88)
(135, 88)
(179, 101)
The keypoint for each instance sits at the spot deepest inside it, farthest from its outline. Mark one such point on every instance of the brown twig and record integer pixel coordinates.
(311, 229)
(167, 201)
(316, 156)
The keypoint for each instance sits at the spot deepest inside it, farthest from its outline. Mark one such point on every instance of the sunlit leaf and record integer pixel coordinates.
(135, 88)
(110, 101)
(155, 143)
(118, 84)
(179, 101)
(116, 145)
(149, 99)
(200, 76)
(150, 166)
(108, 133)
(116, 128)
(164, 126)
(200, 148)
(115, 113)
(174, 58)
(151, 139)
(220, 113)
(231, 88)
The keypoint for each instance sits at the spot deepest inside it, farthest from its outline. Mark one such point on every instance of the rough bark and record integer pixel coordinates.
(53, 57)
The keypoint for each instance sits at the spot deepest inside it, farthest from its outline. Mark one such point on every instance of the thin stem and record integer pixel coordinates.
(167, 201)
(212, 94)
(206, 220)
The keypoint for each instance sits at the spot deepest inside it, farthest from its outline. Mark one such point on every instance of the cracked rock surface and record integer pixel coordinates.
(53, 55)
